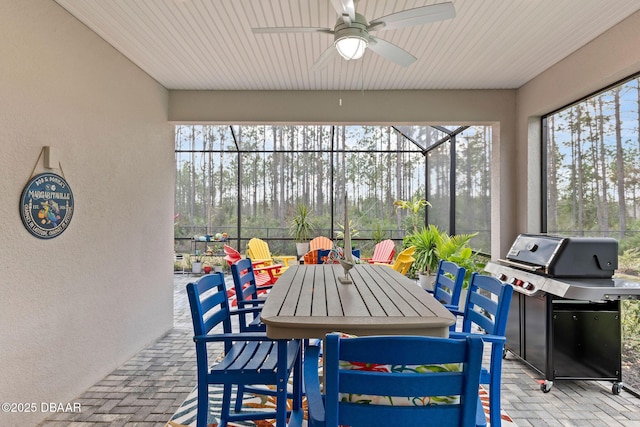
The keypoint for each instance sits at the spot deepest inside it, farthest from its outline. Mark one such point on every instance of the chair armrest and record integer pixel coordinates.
(266, 268)
(285, 259)
(235, 336)
(248, 310)
(452, 308)
(315, 404)
(253, 302)
(493, 339)
(264, 262)
(456, 312)
(272, 270)
(382, 263)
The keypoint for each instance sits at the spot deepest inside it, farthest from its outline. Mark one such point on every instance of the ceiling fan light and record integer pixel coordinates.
(351, 47)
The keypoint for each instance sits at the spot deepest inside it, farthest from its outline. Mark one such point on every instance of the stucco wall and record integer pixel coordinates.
(77, 306)
(605, 60)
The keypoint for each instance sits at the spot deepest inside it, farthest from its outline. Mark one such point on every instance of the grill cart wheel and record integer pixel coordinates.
(617, 388)
(546, 386)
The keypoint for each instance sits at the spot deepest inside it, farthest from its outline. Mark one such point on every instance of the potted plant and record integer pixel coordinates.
(218, 264)
(426, 257)
(196, 265)
(302, 228)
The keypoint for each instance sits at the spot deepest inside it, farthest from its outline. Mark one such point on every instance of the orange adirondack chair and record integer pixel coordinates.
(383, 253)
(311, 257)
(320, 242)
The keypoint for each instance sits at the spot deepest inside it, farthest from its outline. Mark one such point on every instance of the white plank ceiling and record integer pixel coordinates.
(209, 45)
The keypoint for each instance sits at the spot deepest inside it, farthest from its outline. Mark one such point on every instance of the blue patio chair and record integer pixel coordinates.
(485, 314)
(447, 286)
(246, 289)
(363, 375)
(249, 358)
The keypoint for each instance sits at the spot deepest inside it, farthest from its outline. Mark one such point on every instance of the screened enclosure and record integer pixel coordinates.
(247, 181)
(592, 184)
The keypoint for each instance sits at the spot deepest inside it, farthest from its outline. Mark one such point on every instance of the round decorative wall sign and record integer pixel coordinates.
(46, 205)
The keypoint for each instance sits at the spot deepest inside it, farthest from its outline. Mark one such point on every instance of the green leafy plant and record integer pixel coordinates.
(353, 231)
(426, 241)
(413, 206)
(302, 226)
(378, 234)
(456, 249)
(433, 244)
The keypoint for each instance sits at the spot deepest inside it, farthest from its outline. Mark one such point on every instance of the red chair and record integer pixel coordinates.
(383, 253)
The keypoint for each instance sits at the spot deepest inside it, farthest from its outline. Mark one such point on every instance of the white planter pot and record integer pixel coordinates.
(427, 281)
(302, 248)
(217, 268)
(196, 267)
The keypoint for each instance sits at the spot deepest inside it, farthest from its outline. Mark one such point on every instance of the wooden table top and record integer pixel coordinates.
(308, 301)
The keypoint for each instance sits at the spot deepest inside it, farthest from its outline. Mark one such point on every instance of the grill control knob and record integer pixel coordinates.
(518, 282)
(528, 286)
(502, 277)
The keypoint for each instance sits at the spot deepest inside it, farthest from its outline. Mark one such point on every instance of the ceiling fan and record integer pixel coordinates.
(352, 31)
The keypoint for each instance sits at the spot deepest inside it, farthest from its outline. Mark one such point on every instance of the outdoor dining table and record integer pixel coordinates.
(309, 301)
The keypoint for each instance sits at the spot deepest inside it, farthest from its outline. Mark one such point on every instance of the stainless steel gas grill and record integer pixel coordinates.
(565, 316)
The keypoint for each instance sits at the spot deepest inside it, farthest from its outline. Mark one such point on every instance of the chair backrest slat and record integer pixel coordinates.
(401, 384)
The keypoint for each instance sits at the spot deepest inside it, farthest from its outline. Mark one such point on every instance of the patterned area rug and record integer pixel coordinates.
(186, 414)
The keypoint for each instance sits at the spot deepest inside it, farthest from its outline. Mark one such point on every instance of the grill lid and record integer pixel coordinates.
(566, 256)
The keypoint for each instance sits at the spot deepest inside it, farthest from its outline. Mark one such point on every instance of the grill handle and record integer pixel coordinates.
(526, 267)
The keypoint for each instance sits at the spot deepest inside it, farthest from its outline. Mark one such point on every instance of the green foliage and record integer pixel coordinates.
(631, 322)
(629, 261)
(353, 231)
(455, 249)
(426, 241)
(414, 206)
(302, 226)
(433, 244)
(378, 234)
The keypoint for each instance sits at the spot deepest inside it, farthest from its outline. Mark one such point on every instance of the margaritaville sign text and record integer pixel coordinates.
(46, 206)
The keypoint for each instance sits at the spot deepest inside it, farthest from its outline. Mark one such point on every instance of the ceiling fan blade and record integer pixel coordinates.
(391, 52)
(417, 16)
(345, 8)
(324, 58)
(273, 30)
